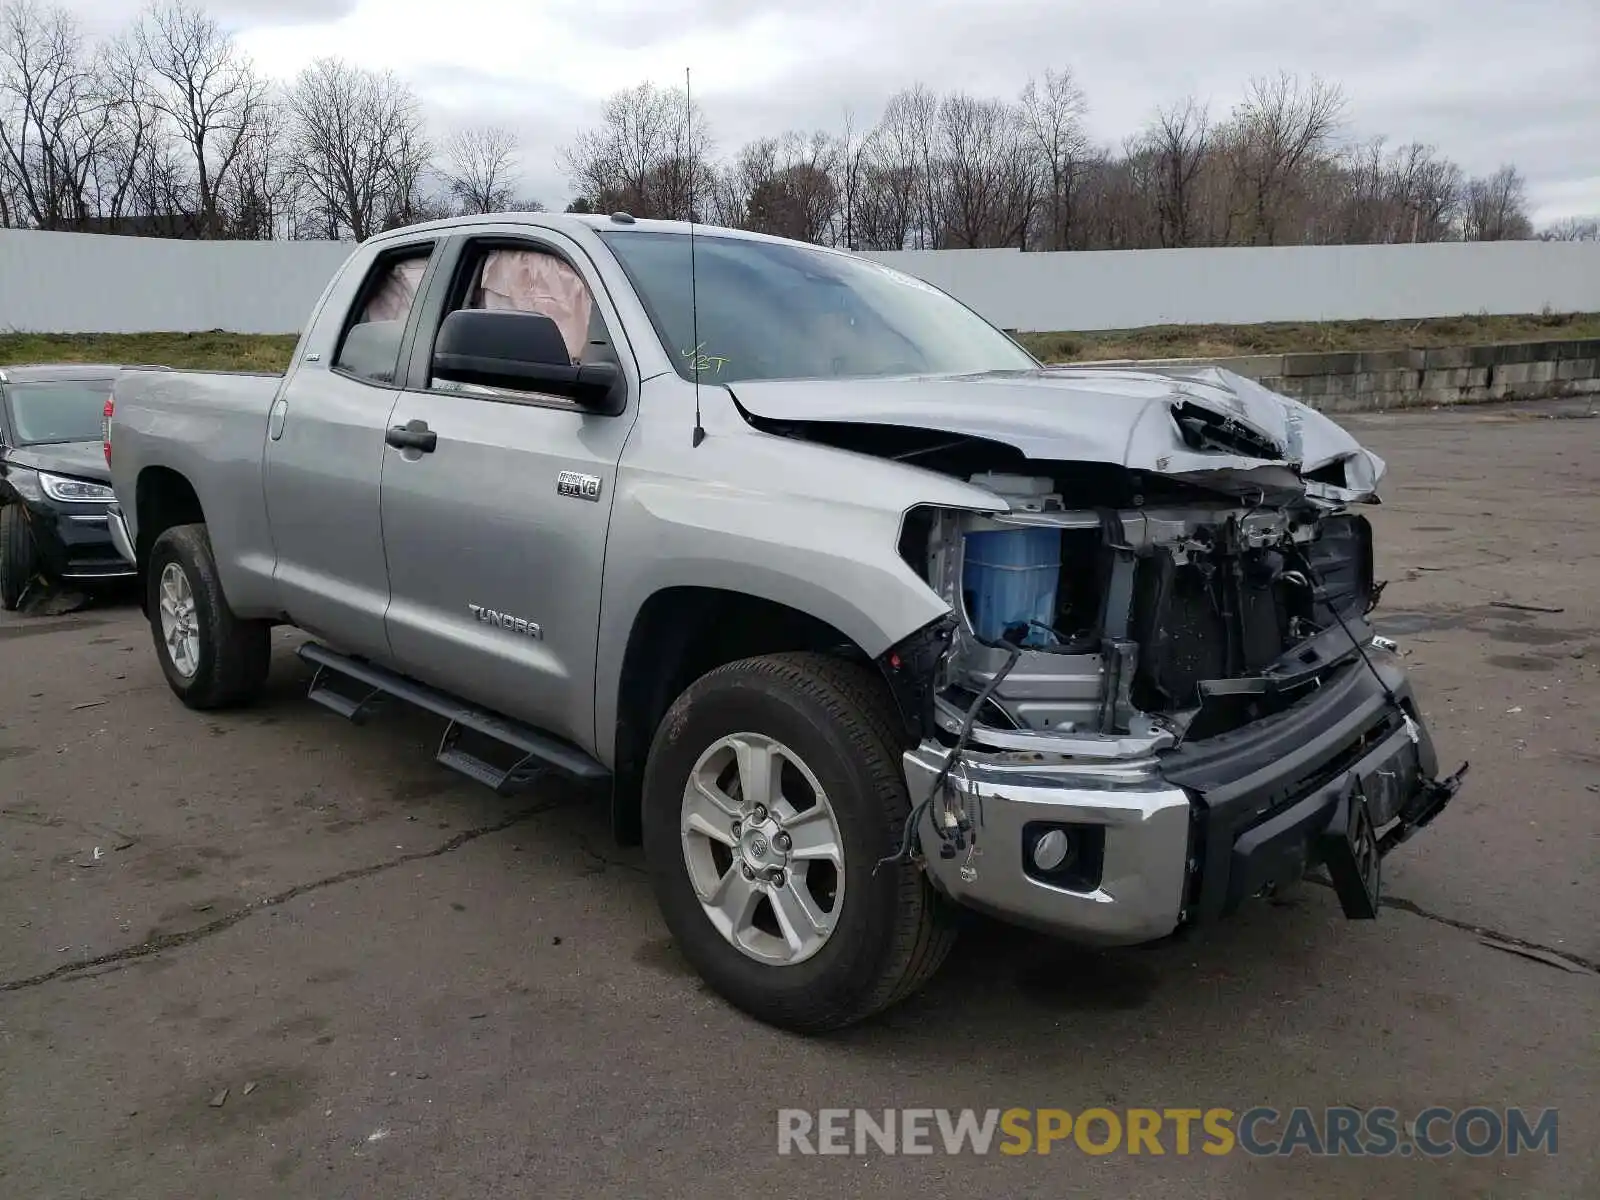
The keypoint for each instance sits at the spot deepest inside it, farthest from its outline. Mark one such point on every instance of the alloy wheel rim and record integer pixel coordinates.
(180, 625)
(763, 848)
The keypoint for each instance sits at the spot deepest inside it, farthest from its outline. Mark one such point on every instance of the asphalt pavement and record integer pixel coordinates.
(269, 953)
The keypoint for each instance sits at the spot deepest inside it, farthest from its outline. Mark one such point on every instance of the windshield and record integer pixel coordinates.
(771, 310)
(58, 412)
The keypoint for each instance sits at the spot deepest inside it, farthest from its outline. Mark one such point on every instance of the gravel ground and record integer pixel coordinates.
(272, 954)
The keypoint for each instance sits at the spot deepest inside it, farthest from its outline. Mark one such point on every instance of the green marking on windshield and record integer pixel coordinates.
(704, 362)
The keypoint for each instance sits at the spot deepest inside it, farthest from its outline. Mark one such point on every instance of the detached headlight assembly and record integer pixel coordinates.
(58, 487)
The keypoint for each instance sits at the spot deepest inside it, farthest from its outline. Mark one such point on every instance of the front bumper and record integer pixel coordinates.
(1190, 834)
(75, 542)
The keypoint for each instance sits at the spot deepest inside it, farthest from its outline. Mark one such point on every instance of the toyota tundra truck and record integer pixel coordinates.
(858, 613)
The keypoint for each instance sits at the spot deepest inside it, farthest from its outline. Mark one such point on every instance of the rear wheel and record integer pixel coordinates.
(19, 558)
(210, 657)
(772, 791)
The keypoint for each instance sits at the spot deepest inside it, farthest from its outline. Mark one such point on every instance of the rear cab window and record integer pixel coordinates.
(369, 347)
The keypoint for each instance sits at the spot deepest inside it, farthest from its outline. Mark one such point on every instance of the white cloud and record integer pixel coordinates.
(1486, 81)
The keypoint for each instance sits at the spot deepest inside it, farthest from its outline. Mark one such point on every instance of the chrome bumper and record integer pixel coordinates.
(1139, 823)
(117, 526)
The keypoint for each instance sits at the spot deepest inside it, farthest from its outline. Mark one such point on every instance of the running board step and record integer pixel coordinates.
(355, 689)
(327, 691)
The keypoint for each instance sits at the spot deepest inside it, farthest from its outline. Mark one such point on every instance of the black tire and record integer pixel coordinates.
(234, 656)
(19, 557)
(893, 931)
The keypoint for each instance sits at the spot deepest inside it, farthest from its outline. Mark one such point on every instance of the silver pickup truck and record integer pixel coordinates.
(861, 614)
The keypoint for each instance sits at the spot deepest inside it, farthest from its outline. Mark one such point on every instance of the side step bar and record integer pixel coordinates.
(357, 690)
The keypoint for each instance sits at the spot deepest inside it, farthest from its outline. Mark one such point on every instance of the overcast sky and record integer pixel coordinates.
(1486, 81)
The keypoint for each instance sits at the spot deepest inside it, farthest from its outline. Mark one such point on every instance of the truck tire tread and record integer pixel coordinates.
(18, 556)
(235, 655)
(926, 933)
(856, 705)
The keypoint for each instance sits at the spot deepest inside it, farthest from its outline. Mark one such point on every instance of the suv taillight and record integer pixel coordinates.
(105, 428)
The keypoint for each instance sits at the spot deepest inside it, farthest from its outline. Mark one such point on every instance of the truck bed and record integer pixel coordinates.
(210, 428)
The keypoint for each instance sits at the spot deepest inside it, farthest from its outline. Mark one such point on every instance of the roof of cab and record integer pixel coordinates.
(570, 223)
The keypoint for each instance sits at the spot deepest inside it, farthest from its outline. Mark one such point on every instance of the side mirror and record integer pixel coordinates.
(523, 352)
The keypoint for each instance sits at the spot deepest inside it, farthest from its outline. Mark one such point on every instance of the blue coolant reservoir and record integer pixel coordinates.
(1009, 576)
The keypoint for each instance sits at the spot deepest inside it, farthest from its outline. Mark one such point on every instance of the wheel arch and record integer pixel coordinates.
(678, 635)
(163, 498)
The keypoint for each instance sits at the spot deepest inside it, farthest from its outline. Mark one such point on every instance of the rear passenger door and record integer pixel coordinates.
(325, 453)
(495, 550)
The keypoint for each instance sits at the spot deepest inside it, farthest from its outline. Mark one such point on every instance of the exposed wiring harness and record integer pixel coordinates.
(1388, 692)
(947, 843)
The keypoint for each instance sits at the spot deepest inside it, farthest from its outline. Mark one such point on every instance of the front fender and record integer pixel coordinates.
(809, 527)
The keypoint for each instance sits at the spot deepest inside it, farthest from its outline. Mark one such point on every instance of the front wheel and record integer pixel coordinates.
(210, 657)
(772, 791)
(19, 558)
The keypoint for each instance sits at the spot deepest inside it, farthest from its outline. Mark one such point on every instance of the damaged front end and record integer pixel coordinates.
(1154, 698)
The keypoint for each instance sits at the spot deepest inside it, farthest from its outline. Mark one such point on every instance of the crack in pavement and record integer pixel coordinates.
(172, 940)
(1416, 910)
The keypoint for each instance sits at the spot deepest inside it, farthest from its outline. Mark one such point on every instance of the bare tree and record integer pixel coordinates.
(267, 190)
(54, 118)
(907, 145)
(136, 175)
(1053, 118)
(208, 88)
(1276, 131)
(990, 183)
(1495, 209)
(1177, 142)
(359, 148)
(480, 168)
(640, 158)
(850, 159)
(1572, 229)
(784, 186)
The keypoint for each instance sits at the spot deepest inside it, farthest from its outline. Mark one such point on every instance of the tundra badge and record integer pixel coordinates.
(513, 624)
(579, 487)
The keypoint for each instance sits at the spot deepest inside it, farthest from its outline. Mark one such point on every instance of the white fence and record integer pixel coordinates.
(89, 283)
(85, 283)
(1127, 289)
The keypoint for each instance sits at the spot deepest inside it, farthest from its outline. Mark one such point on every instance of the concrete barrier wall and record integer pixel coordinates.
(85, 283)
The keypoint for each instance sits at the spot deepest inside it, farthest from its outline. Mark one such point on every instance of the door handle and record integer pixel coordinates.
(276, 417)
(413, 435)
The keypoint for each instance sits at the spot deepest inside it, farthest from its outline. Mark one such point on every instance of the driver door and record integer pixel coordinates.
(494, 557)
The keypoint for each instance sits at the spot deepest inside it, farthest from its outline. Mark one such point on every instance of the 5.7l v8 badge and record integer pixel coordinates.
(578, 487)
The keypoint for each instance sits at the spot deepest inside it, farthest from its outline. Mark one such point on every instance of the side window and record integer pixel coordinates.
(527, 279)
(370, 347)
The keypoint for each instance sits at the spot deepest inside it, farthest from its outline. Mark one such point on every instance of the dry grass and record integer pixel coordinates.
(192, 351)
(1223, 341)
(248, 352)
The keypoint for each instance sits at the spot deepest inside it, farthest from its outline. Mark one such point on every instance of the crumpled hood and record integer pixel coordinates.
(1204, 424)
(81, 460)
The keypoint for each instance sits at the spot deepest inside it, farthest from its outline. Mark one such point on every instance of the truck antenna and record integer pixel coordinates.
(694, 294)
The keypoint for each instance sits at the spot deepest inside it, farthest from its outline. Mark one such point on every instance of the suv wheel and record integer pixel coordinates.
(18, 557)
(211, 658)
(773, 790)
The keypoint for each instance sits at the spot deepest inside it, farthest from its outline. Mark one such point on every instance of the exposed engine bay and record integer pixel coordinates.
(1154, 623)
(1190, 568)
